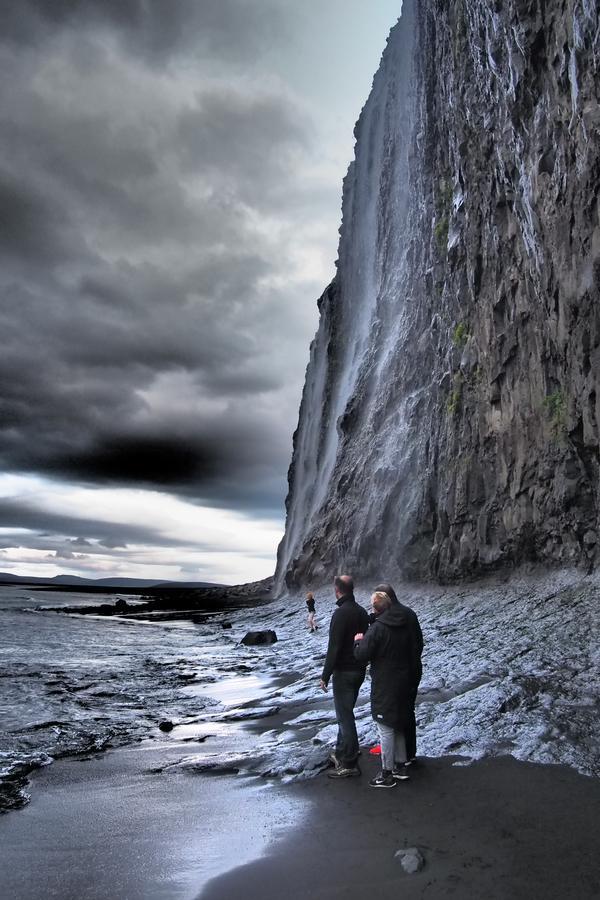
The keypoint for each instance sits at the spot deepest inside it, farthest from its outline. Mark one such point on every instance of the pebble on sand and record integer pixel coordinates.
(411, 859)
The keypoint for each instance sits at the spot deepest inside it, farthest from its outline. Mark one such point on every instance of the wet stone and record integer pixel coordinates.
(254, 638)
(411, 860)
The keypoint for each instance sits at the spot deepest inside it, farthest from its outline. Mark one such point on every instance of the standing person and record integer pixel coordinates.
(416, 667)
(387, 647)
(348, 674)
(310, 605)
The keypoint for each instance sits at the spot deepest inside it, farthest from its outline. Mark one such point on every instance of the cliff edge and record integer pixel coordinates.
(449, 419)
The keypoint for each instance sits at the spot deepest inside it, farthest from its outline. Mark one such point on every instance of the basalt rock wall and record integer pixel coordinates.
(449, 420)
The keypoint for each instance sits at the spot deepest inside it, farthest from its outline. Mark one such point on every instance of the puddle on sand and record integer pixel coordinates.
(235, 690)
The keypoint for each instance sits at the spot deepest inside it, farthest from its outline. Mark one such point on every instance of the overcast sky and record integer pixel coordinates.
(170, 190)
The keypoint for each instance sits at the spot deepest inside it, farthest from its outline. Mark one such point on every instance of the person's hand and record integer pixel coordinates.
(323, 685)
(359, 636)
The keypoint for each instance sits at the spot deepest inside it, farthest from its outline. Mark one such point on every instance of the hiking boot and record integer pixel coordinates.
(383, 780)
(400, 773)
(343, 772)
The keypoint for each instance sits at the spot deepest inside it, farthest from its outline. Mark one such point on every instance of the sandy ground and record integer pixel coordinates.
(495, 830)
(153, 821)
(114, 829)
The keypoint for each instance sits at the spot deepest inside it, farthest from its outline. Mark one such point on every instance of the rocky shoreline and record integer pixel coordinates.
(512, 679)
(173, 603)
(511, 666)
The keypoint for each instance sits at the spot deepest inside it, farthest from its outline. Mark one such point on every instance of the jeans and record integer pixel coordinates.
(346, 685)
(393, 747)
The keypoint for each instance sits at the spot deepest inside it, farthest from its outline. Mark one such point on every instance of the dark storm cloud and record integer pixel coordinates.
(81, 409)
(247, 141)
(147, 337)
(231, 29)
(15, 514)
(30, 227)
(228, 463)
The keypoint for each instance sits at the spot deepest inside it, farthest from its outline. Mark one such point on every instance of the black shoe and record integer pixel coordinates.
(400, 773)
(342, 772)
(384, 780)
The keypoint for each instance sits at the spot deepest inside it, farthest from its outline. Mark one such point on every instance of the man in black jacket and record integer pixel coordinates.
(348, 674)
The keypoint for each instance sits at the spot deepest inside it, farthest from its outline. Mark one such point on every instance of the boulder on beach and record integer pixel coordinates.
(252, 638)
(166, 726)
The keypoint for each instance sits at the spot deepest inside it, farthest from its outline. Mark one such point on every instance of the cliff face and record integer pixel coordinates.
(449, 420)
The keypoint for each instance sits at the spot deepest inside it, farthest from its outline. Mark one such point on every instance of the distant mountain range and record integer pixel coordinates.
(118, 583)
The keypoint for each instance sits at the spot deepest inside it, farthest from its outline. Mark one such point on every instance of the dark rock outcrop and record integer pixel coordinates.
(255, 638)
(166, 603)
(449, 420)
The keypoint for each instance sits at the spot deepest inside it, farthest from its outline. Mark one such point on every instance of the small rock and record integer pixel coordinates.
(590, 538)
(410, 859)
(226, 625)
(166, 726)
(252, 638)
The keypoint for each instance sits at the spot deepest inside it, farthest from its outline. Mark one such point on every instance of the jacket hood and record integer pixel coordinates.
(389, 590)
(394, 617)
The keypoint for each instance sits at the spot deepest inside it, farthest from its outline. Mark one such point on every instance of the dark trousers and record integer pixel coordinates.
(346, 685)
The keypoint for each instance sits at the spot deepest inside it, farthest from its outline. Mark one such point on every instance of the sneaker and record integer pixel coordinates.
(342, 772)
(384, 780)
(400, 773)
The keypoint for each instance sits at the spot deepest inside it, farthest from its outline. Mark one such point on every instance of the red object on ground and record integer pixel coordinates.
(376, 750)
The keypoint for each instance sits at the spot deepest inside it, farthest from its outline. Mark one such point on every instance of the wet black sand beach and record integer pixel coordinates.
(115, 828)
(498, 829)
(161, 816)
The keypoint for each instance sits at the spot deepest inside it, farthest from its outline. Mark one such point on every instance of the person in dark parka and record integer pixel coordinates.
(416, 650)
(387, 647)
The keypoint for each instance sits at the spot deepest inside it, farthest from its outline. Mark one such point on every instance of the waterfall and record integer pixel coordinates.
(449, 419)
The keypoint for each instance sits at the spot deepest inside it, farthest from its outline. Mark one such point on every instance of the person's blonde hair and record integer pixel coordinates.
(380, 601)
(310, 596)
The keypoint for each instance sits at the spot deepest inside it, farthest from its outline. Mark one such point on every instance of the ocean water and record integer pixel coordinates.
(72, 685)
